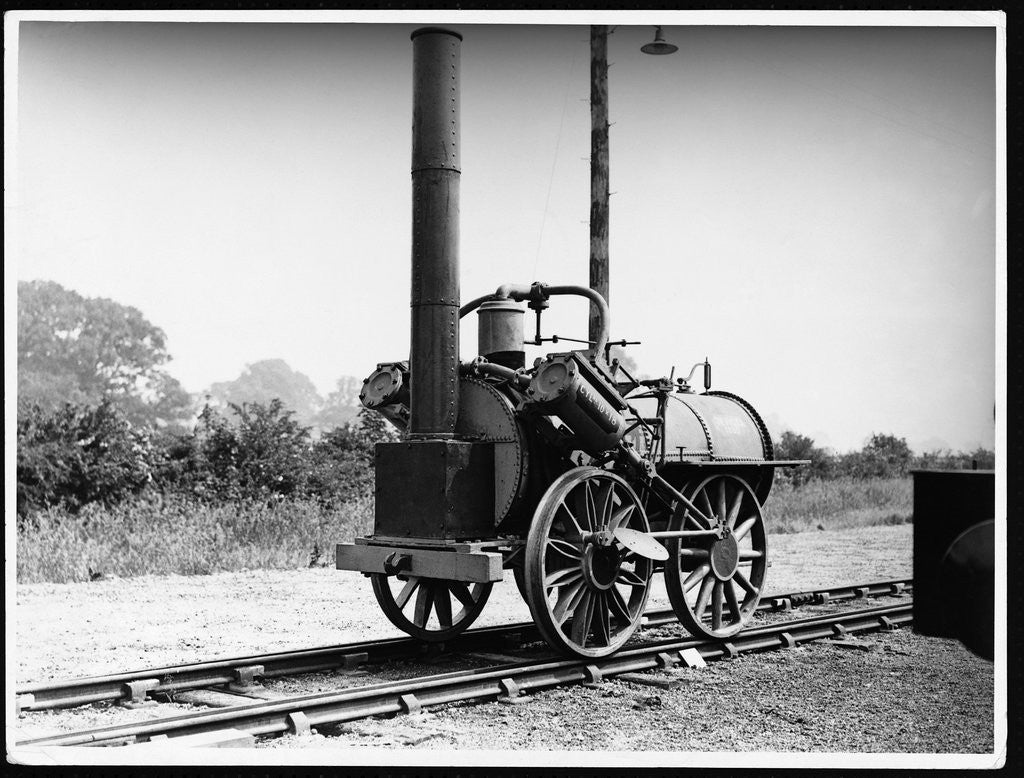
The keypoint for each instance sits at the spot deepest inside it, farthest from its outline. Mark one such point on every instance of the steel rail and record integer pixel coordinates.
(300, 713)
(220, 672)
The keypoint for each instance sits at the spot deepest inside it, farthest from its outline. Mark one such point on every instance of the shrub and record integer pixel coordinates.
(79, 454)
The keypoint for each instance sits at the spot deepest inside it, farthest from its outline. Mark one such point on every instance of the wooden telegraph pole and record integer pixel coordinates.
(598, 170)
(599, 158)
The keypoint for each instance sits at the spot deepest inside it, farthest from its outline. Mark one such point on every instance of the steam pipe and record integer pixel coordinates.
(539, 292)
(434, 348)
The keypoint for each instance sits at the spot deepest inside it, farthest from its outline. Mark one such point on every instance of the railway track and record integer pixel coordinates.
(302, 713)
(238, 672)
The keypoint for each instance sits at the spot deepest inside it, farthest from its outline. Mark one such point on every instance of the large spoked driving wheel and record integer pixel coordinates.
(715, 583)
(586, 591)
(431, 609)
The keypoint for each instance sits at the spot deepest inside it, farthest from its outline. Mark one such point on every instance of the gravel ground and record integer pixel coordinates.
(899, 693)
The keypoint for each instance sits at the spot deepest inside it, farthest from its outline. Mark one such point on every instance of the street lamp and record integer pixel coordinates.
(658, 45)
(599, 159)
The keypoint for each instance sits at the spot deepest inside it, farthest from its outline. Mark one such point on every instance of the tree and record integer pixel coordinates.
(265, 453)
(83, 350)
(341, 406)
(265, 381)
(886, 456)
(791, 445)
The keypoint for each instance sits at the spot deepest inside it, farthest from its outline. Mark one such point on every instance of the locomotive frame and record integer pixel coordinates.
(579, 479)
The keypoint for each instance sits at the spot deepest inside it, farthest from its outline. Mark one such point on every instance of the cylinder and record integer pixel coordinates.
(386, 391)
(434, 348)
(566, 387)
(500, 333)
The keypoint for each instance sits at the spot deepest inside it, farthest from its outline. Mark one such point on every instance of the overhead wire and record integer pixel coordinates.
(554, 162)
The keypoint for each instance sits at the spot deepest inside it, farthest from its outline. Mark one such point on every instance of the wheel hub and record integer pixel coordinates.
(600, 565)
(725, 556)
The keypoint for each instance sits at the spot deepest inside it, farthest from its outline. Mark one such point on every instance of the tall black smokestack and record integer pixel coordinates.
(434, 357)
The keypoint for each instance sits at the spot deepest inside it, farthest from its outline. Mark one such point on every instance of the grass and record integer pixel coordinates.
(174, 535)
(159, 536)
(839, 504)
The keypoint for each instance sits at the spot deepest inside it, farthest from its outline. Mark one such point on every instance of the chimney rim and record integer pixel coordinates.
(438, 30)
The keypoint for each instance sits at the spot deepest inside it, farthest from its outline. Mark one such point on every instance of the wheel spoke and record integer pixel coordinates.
(602, 625)
(583, 506)
(734, 605)
(562, 577)
(720, 512)
(407, 590)
(568, 598)
(565, 548)
(709, 511)
(617, 605)
(423, 603)
(575, 526)
(693, 553)
(443, 605)
(716, 606)
(621, 516)
(629, 578)
(462, 593)
(744, 528)
(741, 579)
(694, 518)
(750, 553)
(603, 505)
(695, 576)
(581, 619)
(734, 510)
(703, 596)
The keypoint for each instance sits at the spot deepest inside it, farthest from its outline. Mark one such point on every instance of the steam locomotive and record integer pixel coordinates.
(572, 475)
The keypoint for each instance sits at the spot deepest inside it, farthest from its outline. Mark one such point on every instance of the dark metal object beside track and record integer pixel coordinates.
(141, 684)
(299, 714)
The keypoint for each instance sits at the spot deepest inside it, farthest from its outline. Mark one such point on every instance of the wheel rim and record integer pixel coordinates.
(586, 598)
(714, 584)
(431, 609)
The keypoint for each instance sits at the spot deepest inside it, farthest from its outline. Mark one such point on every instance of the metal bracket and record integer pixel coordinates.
(861, 592)
(298, 723)
(787, 640)
(822, 598)
(839, 630)
(245, 677)
(896, 589)
(352, 661)
(782, 604)
(888, 624)
(397, 563)
(410, 703)
(23, 702)
(666, 660)
(593, 674)
(509, 688)
(729, 651)
(135, 692)
(510, 693)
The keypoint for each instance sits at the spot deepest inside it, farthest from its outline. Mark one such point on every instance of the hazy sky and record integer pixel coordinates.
(813, 208)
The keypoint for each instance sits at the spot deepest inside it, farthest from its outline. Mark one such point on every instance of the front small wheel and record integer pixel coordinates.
(431, 609)
(586, 591)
